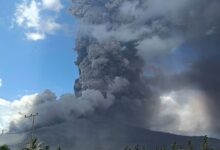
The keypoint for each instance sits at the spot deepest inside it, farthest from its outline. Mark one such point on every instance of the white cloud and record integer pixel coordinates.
(0, 82)
(50, 108)
(50, 26)
(10, 110)
(28, 14)
(32, 15)
(187, 113)
(53, 5)
(35, 36)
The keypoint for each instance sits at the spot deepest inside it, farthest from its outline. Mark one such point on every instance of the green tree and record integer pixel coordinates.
(190, 146)
(59, 148)
(205, 144)
(4, 147)
(34, 144)
(174, 146)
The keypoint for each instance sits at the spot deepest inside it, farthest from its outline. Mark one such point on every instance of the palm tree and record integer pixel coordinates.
(205, 144)
(34, 144)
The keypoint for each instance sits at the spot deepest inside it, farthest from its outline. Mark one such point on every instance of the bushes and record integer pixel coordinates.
(204, 146)
(4, 147)
(34, 144)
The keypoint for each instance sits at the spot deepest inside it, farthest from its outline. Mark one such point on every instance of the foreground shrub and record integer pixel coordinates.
(204, 146)
(34, 144)
(4, 147)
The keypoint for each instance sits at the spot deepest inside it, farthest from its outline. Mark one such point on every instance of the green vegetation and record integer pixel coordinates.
(34, 144)
(204, 146)
(4, 147)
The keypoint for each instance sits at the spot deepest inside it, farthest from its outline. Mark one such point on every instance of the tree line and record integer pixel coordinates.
(35, 144)
(204, 146)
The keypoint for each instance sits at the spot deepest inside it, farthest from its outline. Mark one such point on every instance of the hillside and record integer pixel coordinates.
(101, 135)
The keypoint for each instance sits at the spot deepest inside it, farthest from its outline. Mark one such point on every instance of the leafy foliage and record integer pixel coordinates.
(174, 146)
(204, 146)
(34, 144)
(4, 147)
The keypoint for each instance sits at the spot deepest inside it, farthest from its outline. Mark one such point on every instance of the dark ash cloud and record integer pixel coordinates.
(123, 38)
(144, 63)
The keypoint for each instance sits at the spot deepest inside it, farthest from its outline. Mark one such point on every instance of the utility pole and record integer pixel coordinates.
(32, 117)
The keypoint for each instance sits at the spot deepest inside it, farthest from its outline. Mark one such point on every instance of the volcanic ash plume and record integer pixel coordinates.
(136, 67)
(123, 48)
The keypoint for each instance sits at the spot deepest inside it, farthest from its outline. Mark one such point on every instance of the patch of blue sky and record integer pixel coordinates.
(28, 67)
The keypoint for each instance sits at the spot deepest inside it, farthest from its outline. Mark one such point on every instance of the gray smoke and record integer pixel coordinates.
(55, 110)
(140, 41)
(205, 73)
(131, 53)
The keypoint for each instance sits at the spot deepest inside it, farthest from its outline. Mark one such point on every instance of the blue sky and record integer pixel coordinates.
(29, 65)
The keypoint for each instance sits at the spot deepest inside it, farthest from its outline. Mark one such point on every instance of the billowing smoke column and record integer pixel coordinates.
(134, 45)
(109, 66)
(140, 63)
(108, 60)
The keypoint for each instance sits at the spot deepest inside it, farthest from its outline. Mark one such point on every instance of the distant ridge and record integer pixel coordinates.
(85, 134)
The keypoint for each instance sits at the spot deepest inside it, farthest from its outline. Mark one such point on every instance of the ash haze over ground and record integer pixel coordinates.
(143, 63)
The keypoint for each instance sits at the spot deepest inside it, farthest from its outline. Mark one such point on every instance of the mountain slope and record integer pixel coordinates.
(83, 134)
